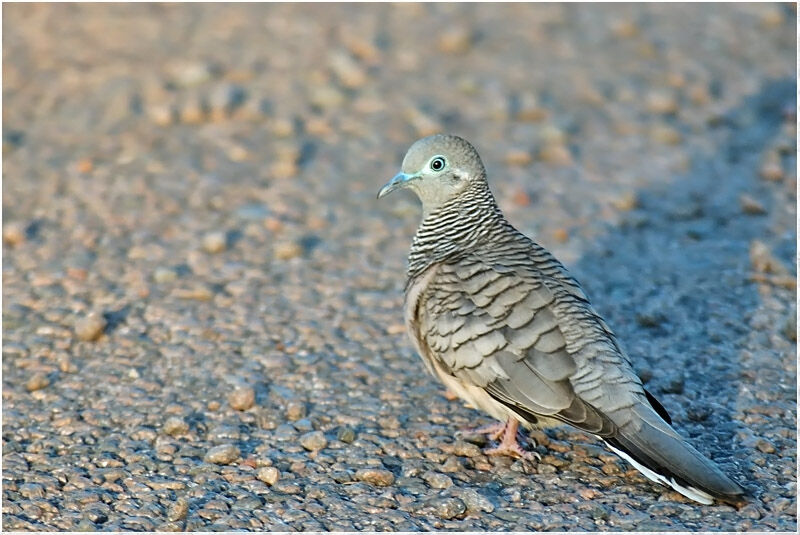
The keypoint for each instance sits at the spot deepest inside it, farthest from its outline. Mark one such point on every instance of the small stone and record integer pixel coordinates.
(772, 16)
(187, 74)
(475, 501)
(455, 40)
(31, 490)
(699, 94)
(90, 327)
(313, 441)
(175, 425)
(213, 405)
(750, 205)
(192, 111)
(284, 168)
(13, 234)
(674, 386)
(178, 510)
(664, 134)
(626, 202)
(326, 97)
(345, 434)
(224, 99)
(37, 382)
(518, 157)
(555, 154)
(224, 454)
(448, 508)
(161, 114)
(771, 170)
(520, 197)
(561, 235)
(164, 275)
(214, 242)
(295, 410)
(268, 474)
(662, 102)
(465, 449)
(242, 398)
(287, 250)
(765, 446)
(625, 29)
(527, 108)
(84, 165)
(375, 476)
(350, 73)
(437, 480)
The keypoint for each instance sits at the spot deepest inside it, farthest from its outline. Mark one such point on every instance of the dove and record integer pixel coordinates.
(502, 324)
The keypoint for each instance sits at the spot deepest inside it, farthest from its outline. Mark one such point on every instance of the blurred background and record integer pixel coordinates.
(202, 299)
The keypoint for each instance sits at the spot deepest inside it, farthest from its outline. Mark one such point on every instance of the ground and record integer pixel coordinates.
(202, 298)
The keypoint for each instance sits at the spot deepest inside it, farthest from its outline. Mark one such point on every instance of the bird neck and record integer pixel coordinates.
(456, 226)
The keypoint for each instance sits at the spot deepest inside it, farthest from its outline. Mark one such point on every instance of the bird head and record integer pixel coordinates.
(438, 168)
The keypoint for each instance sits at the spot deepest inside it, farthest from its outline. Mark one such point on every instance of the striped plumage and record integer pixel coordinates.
(503, 324)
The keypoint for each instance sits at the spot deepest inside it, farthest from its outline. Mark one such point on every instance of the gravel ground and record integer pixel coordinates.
(202, 299)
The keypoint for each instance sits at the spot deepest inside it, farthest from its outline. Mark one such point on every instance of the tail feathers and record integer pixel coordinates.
(664, 457)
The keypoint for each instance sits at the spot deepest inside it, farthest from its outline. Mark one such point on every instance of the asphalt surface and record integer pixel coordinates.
(202, 299)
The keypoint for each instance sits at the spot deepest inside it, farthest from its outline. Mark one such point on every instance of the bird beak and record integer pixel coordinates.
(400, 180)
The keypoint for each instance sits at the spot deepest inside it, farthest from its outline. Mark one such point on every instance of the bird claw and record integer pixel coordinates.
(514, 450)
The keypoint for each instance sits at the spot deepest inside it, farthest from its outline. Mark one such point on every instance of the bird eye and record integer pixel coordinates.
(438, 163)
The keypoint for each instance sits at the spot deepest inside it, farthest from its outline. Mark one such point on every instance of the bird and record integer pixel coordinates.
(502, 324)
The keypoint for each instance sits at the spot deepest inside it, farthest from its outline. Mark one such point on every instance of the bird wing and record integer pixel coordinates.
(500, 329)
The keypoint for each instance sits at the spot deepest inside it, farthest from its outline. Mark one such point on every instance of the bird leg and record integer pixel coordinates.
(493, 431)
(509, 445)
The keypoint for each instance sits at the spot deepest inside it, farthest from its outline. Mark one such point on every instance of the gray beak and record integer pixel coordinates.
(399, 181)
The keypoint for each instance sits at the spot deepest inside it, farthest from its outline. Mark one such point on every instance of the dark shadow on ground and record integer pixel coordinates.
(672, 279)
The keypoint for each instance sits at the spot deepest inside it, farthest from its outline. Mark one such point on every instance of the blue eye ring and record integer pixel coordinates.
(438, 163)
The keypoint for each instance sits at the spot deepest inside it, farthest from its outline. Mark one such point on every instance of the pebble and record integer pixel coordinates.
(375, 476)
(313, 441)
(437, 480)
(765, 446)
(750, 205)
(31, 490)
(345, 434)
(448, 508)
(555, 154)
(38, 381)
(13, 233)
(466, 449)
(242, 398)
(223, 454)
(89, 328)
(662, 102)
(175, 425)
(664, 134)
(295, 410)
(455, 40)
(164, 275)
(178, 510)
(215, 242)
(286, 250)
(518, 157)
(268, 474)
(350, 73)
(527, 108)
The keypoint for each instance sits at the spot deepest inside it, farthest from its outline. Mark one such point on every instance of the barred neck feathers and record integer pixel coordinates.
(457, 226)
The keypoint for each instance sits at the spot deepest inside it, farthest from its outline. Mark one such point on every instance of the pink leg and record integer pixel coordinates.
(509, 445)
(493, 431)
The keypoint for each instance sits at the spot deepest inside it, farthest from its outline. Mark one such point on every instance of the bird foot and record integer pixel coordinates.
(514, 450)
(493, 431)
(509, 445)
